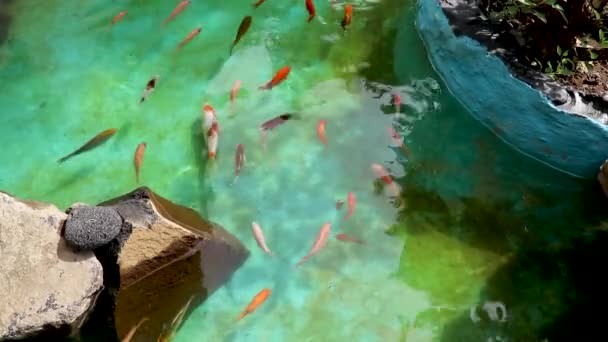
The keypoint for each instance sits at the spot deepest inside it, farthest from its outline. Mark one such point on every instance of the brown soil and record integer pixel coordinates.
(594, 82)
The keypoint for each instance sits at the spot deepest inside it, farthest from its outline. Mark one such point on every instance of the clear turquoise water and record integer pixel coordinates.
(480, 222)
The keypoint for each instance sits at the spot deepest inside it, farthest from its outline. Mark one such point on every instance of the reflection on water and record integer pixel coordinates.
(481, 244)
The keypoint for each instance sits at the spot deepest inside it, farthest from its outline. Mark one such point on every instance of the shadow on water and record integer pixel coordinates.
(546, 225)
(198, 146)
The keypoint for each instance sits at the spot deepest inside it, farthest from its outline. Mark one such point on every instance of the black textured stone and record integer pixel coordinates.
(88, 227)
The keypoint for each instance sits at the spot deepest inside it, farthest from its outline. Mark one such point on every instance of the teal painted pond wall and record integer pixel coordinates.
(517, 113)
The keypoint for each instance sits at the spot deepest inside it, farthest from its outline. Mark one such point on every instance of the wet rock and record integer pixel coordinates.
(89, 227)
(46, 289)
(171, 255)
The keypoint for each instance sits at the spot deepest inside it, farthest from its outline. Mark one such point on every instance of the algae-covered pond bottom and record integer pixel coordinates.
(482, 243)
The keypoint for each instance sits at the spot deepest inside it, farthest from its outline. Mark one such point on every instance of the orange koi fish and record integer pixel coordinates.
(258, 3)
(150, 86)
(213, 135)
(91, 144)
(118, 17)
(189, 37)
(398, 141)
(397, 102)
(255, 303)
(351, 202)
(138, 159)
(310, 7)
(279, 77)
(346, 238)
(321, 131)
(320, 242)
(180, 7)
(234, 91)
(348, 14)
(131, 332)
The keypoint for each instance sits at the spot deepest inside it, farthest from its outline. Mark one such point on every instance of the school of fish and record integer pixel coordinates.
(211, 132)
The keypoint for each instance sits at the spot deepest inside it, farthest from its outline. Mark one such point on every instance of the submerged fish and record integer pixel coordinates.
(339, 204)
(189, 37)
(239, 161)
(168, 335)
(234, 91)
(150, 86)
(243, 28)
(397, 102)
(274, 122)
(91, 144)
(351, 202)
(259, 237)
(398, 141)
(321, 131)
(381, 173)
(131, 332)
(320, 242)
(310, 7)
(258, 3)
(178, 9)
(348, 14)
(209, 117)
(346, 238)
(138, 159)
(255, 303)
(279, 77)
(118, 17)
(213, 135)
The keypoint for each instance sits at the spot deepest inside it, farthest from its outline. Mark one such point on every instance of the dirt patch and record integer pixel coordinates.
(593, 83)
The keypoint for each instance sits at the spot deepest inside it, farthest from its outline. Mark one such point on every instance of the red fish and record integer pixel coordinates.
(348, 14)
(397, 102)
(180, 7)
(320, 242)
(310, 7)
(346, 238)
(255, 303)
(279, 77)
(321, 131)
(189, 37)
(239, 161)
(351, 202)
(138, 159)
(398, 140)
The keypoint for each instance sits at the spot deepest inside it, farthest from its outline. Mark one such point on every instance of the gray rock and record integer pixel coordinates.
(45, 288)
(88, 227)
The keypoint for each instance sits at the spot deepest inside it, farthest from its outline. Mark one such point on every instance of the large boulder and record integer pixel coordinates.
(46, 289)
(172, 257)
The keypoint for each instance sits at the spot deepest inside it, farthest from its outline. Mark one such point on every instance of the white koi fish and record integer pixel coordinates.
(259, 237)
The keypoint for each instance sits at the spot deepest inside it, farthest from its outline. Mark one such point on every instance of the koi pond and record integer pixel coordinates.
(479, 243)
